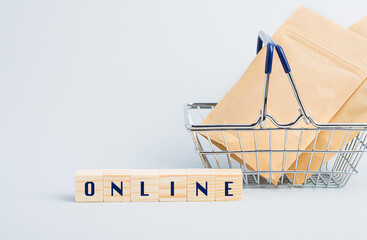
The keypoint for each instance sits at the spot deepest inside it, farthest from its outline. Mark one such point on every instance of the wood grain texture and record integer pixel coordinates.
(178, 177)
(93, 181)
(235, 182)
(148, 177)
(204, 177)
(118, 177)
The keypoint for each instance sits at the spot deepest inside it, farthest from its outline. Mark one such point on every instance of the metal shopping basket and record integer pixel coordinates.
(334, 172)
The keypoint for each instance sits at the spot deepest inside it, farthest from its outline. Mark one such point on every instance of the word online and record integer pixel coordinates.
(162, 185)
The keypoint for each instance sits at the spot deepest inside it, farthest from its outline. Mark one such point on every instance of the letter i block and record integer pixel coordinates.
(200, 185)
(144, 185)
(89, 186)
(228, 184)
(172, 185)
(116, 185)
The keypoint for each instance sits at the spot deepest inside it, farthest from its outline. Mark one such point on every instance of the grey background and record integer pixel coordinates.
(102, 84)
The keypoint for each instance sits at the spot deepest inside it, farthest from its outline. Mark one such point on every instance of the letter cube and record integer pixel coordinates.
(228, 184)
(172, 185)
(116, 185)
(200, 185)
(144, 185)
(89, 186)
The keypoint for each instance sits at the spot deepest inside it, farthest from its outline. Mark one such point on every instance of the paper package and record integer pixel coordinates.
(353, 111)
(328, 64)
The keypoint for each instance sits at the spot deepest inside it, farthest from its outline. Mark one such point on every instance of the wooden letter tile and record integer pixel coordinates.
(89, 186)
(144, 185)
(172, 185)
(116, 185)
(200, 185)
(228, 184)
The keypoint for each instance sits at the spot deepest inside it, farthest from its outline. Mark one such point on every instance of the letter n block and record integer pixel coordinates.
(200, 185)
(116, 185)
(144, 185)
(89, 186)
(172, 185)
(228, 184)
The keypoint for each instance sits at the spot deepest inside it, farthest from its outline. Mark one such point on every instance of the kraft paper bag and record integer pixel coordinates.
(328, 64)
(353, 111)
(360, 27)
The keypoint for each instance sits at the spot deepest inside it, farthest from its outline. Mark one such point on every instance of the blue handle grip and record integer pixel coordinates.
(265, 39)
(269, 58)
(270, 44)
(283, 59)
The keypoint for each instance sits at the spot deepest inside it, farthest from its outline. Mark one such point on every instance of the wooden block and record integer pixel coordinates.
(144, 185)
(172, 185)
(200, 185)
(116, 185)
(89, 186)
(228, 184)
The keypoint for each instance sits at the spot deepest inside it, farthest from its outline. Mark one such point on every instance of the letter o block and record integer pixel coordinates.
(89, 186)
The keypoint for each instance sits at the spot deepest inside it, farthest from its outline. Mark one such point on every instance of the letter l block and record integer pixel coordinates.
(144, 185)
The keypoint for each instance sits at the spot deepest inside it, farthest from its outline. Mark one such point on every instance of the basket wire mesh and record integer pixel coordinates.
(334, 173)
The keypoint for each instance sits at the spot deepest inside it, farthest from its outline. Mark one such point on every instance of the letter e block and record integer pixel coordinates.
(228, 184)
(116, 185)
(144, 185)
(89, 186)
(200, 185)
(172, 185)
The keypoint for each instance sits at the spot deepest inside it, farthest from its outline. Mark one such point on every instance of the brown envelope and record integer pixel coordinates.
(353, 111)
(328, 64)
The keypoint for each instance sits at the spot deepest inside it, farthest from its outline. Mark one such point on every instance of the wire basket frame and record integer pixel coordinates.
(333, 173)
(337, 163)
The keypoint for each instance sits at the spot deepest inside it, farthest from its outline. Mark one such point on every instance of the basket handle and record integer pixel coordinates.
(264, 39)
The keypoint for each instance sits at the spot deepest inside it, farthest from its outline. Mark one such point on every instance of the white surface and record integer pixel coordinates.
(90, 85)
